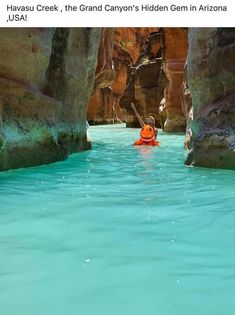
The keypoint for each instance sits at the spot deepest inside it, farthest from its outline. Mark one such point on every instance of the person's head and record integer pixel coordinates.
(150, 120)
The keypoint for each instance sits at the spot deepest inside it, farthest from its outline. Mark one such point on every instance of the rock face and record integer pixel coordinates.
(105, 74)
(144, 91)
(134, 39)
(130, 48)
(175, 47)
(98, 111)
(143, 83)
(141, 78)
(46, 76)
(211, 80)
(188, 113)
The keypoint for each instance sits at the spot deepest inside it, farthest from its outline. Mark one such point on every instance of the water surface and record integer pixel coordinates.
(118, 230)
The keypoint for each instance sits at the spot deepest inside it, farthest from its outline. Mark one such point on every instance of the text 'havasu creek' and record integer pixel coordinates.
(119, 9)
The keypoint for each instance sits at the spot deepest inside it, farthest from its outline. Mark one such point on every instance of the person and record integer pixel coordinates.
(150, 120)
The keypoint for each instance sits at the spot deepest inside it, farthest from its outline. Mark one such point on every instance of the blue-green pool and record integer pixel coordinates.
(118, 230)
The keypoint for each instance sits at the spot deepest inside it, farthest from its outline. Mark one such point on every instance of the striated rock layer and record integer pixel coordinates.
(130, 48)
(143, 81)
(175, 47)
(141, 77)
(46, 76)
(211, 80)
(145, 91)
(98, 109)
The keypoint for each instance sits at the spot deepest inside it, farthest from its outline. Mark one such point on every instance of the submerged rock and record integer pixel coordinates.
(46, 76)
(211, 79)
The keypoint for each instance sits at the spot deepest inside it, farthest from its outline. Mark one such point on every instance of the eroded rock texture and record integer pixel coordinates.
(145, 91)
(46, 76)
(188, 113)
(134, 40)
(100, 105)
(175, 47)
(141, 78)
(144, 83)
(211, 80)
(132, 47)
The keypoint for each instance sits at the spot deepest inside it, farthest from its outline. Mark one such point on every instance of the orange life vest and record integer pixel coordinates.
(147, 136)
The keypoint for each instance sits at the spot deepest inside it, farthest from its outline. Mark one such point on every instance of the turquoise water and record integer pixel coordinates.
(118, 230)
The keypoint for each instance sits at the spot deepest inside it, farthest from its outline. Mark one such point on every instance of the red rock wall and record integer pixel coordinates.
(128, 44)
(175, 47)
(140, 77)
(143, 85)
(133, 39)
(105, 75)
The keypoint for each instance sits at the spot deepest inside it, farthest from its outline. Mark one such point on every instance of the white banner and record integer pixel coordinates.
(122, 13)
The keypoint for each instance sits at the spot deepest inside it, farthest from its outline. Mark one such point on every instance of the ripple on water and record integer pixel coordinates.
(118, 230)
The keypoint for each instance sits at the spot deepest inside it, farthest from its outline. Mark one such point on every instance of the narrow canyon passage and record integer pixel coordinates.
(118, 230)
(53, 79)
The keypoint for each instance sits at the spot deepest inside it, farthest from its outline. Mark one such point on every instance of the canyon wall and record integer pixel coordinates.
(142, 82)
(98, 109)
(46, 77)
(136, 78)
(175, 47)
(211, 80)
(149, 69)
